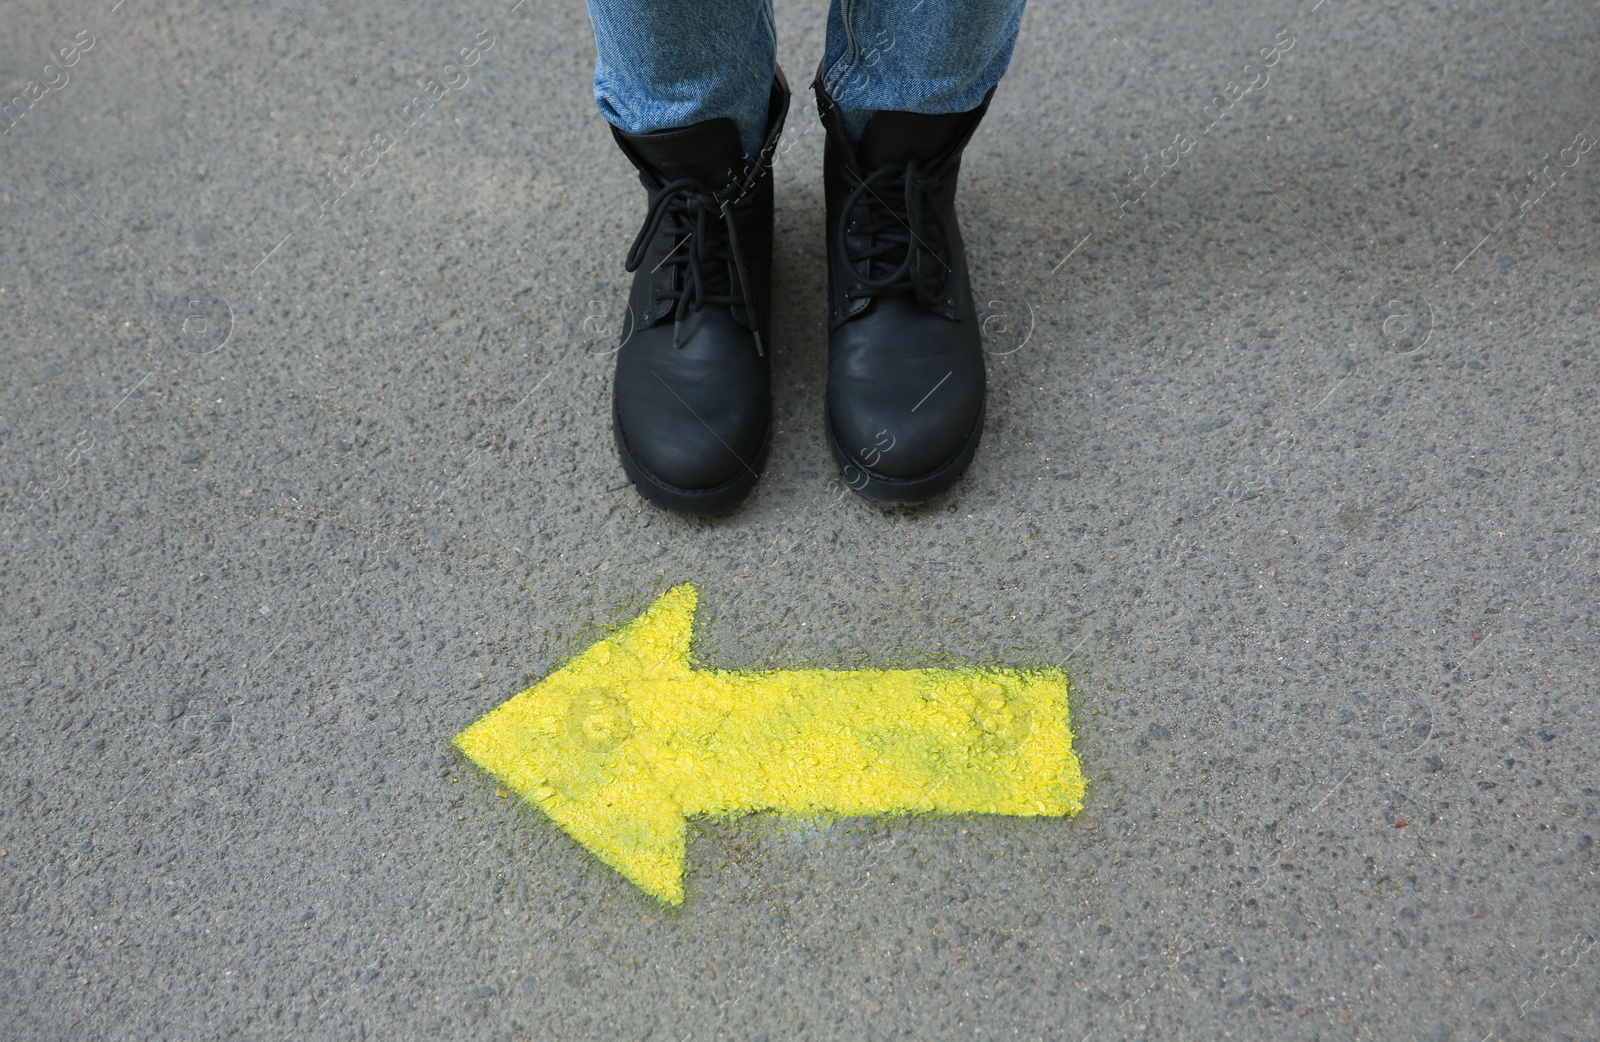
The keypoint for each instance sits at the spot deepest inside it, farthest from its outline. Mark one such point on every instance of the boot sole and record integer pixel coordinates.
(708, 502)
(910, 491)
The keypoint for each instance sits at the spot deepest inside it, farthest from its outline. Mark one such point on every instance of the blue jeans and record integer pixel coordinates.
(670, 63)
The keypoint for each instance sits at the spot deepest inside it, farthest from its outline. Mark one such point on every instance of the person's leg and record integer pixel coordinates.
(901, 90)
(926, 56)
(673, 63)
(696, 104)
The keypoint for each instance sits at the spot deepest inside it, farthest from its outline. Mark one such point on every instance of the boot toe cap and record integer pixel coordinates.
(904, 400)
(691, 419)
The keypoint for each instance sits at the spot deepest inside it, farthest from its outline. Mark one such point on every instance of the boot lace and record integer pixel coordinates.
(707, 259)
(899, 245)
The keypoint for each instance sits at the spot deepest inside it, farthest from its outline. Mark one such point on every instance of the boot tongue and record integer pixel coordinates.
(893, 138)
(707, 152)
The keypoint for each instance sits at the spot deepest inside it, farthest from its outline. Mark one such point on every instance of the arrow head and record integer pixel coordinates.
(580, 745)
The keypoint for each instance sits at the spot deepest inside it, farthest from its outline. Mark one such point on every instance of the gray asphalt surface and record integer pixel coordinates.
(1291, 465)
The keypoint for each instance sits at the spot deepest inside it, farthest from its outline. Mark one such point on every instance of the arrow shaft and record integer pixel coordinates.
(858, 741)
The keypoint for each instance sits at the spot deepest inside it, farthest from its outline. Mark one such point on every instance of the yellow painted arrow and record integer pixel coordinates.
(626, 740)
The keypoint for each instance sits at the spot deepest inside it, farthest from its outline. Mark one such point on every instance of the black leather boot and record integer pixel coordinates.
(691, 404)
(905, 359)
